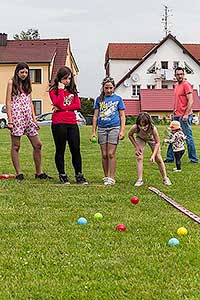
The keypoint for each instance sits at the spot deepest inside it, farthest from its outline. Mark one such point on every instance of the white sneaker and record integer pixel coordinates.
(139, 182)
(105, 179)
(167, 181)
(109, 181)
(176, 170)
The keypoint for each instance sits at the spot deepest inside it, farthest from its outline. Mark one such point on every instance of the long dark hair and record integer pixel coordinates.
(20, 85)
(105, 80)
(62, 72)
(144, 119)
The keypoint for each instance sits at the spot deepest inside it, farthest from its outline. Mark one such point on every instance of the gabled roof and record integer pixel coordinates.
(35, 51)
(162, 100)
(135, 51)
(127, 50)
(142, 51)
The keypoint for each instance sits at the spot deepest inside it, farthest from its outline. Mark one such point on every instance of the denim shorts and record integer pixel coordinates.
(108, 135)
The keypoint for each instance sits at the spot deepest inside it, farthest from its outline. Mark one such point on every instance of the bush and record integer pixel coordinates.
(130, 120)
(87, 106)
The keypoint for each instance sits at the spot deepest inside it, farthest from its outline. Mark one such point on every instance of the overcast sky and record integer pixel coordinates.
(92, 24)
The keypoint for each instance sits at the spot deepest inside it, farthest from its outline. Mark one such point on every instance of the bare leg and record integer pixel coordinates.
(104, 159)
(37, 146)
(15, 153)
(161, 165)
(139, 159)
(112, 159)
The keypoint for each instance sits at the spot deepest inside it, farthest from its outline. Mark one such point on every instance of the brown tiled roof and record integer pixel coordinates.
(162, 100)
(35, 51)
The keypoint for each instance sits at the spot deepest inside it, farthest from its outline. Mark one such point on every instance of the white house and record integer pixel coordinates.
(147, 66)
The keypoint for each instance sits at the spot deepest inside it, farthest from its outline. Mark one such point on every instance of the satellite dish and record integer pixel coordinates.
(127, 82)
(135, 77)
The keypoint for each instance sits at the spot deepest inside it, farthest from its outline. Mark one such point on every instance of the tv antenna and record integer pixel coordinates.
(165, 19)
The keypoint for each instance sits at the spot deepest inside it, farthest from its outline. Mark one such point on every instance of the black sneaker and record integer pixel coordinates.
(64, 179)
(19, 177)
(167, 161)
(43, 176)
(80, 179)
(194, 161)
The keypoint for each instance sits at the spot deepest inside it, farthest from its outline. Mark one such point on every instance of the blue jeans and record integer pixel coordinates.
(187, 130)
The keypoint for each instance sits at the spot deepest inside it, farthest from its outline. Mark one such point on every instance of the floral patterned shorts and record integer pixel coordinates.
(21, 128)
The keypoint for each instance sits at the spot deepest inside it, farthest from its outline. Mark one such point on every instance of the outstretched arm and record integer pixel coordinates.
(131, 133)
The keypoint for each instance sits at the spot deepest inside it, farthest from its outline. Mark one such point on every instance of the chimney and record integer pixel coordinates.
(3, 39)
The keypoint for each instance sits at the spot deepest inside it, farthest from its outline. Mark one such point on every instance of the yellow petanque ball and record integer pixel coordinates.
(182, 231)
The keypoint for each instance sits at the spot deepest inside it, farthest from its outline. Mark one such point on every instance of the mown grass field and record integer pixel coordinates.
(44, 254)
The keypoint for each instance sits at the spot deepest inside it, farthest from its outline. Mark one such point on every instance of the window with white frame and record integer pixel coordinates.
(36, 75)
(37, 104)
(136, 91)
(164, 86)
(151, 86)
(164, 65)
(175, 64)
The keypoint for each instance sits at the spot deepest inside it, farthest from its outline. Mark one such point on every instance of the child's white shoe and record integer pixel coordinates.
(176, 170)
(139, 182)
(105, 179)
(109, 181)
(167, 181)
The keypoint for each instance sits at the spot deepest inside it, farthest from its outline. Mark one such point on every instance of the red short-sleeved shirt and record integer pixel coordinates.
(180, 92)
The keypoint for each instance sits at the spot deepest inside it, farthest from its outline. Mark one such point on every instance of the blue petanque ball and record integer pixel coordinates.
(82, 221)
(173, 242)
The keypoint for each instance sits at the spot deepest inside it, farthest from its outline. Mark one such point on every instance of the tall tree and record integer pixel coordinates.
(30, 34)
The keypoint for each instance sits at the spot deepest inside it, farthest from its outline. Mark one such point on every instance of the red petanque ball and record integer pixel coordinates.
(134, 200)
(121, 227)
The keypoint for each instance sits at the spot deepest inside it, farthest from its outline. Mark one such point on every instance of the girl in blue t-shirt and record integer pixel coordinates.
(109, 117)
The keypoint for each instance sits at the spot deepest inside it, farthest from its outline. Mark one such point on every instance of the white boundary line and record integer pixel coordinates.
(175, 204)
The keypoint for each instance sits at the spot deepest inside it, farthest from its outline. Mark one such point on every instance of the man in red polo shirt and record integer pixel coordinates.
(183, 113)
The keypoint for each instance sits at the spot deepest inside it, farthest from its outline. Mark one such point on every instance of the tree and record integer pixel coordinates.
(87, 106)
(30, 34)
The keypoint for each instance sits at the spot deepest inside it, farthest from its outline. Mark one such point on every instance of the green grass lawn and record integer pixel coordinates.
(44, 254)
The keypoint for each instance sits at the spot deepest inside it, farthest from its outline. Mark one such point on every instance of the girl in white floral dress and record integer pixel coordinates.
(21, 119)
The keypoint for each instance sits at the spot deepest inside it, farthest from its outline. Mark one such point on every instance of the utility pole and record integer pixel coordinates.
(165, 20)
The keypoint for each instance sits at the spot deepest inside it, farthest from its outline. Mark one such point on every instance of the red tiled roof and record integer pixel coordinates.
(194, 49)
(128, 50)
(138, 50)
(35, 51)
(132, 107)
(169, 36)
(162, 100)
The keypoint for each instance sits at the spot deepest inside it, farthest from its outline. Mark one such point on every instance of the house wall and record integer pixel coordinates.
(169, 51)
(119, 68)
(40, 91)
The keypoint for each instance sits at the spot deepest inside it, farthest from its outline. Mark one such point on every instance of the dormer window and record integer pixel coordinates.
(188, 69)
